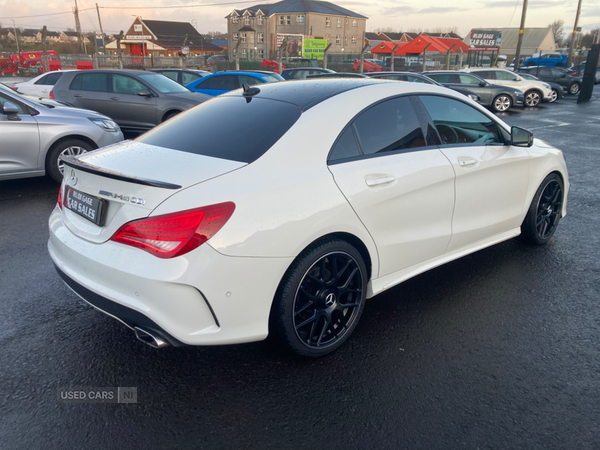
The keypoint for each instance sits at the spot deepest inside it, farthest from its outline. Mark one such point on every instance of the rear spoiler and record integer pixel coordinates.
(73, 162)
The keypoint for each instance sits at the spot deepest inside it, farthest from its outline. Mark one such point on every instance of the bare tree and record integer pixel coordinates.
(557, 30)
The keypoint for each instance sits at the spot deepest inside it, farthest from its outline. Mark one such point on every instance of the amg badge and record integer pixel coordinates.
(125, 198)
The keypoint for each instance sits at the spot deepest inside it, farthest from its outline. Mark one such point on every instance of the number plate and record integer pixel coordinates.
(87, 206)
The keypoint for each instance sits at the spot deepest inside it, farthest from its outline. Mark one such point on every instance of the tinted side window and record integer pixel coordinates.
(468, 79)
(51, 79)
(445, 78)
(458, 123)
(504, 76)
(222, 82)
(187, 78)
(90, 82)
(249, 80)
(171, 74)
(248, 119)
(486, 74)
(122, 84)
(417, 79)
(345, 147)
(388, 126)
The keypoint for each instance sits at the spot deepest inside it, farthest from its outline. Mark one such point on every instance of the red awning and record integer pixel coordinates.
(386, 48)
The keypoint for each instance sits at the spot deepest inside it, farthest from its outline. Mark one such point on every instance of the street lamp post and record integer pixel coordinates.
(16, 36)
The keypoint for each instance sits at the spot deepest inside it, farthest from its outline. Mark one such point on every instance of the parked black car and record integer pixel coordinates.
(135, 99)
(182, 76)
(571, 84)
(419, 78)
(300, 73)
(498, 98)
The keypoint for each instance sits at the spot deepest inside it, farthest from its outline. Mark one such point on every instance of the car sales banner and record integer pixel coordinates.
(485, 40)
(314, 48)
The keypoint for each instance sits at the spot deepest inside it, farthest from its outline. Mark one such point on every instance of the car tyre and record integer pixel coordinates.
(502, 103)
(574, 89)
(320, 299)
(545, 211)
(553, 96)
(532, 98)
(68, 147)
(170, 115)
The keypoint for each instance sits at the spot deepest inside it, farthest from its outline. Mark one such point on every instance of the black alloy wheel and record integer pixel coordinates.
(545, 211)
(321, 299)
(574, 89)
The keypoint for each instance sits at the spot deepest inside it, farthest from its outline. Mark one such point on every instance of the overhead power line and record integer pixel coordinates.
(176, 7)
(43, 15)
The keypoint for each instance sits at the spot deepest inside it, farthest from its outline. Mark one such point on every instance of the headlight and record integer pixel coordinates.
(518, 93)
(105, 124)
(473, 97)
(547, 86)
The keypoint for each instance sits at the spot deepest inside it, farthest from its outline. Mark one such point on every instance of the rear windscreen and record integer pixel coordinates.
(234, 128)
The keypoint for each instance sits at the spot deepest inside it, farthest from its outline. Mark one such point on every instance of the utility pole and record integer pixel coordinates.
(78, 26)
(119, 54)
(570, 57)
(45, 53)
(16, 37)
(521, 31)
(101, 30)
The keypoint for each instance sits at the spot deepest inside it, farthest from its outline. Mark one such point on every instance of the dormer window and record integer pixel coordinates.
(234, 19)
(247, 22)
(261, 19)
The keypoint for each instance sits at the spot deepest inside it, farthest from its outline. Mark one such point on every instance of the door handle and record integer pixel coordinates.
(372, 181)
(114, 98)
(77, 95)
(467, 162)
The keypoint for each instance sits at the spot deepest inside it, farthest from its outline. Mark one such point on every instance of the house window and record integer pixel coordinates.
(327, 21)
(244, 53)
(338, 40)
(288, 20)
(300, 18)
(354, 39)
(261, 53)
(251, 53)
(339, 22)
(261, 38)
(234, 19)
(354, 23)
(236, 36)
(244, 38)
(252, 38)
(281, 20)
(247, 20)
(261, 20)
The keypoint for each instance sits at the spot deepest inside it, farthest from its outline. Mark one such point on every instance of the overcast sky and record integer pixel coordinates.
(398, 14)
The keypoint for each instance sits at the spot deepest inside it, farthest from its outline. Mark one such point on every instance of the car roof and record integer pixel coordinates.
(242, 72)
(307, 93)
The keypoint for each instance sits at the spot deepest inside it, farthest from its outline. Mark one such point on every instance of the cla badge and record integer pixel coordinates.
(73, 180)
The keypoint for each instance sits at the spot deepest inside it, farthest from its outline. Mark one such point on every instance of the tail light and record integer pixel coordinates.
(175, 234)
(60, 205)
(52, 94)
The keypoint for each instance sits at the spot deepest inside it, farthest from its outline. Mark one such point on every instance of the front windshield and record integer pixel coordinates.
(163, 84)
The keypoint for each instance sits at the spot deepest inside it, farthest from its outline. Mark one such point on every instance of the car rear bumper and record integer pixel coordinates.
(201, 298)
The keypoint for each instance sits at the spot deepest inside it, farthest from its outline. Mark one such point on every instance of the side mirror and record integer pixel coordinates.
(482, 83)
(10, 110)
(144, 93)
(521, 137)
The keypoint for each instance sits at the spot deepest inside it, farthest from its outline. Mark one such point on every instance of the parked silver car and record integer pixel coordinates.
(135, 99)
(34, 134)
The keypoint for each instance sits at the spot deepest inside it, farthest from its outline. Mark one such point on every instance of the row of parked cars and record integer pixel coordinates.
(94, 108)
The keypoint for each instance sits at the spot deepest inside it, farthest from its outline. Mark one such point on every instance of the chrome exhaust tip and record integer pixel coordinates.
(150, 339)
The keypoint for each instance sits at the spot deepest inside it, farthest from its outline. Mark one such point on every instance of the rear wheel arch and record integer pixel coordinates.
(169, 114)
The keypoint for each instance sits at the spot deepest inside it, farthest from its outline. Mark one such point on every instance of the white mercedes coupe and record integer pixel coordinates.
(280, 209)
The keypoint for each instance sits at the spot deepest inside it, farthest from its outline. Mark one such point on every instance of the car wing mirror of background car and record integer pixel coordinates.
(482, 83)
(521, 137)
(10, 110)
(144, 93)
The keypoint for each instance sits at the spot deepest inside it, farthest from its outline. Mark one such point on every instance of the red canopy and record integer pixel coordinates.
(386, 48)
(436, 45)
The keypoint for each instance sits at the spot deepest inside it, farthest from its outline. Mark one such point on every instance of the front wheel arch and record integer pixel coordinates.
(78, 137)
(169, 114)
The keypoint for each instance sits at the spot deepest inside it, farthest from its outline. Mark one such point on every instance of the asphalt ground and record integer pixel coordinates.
(498, 350)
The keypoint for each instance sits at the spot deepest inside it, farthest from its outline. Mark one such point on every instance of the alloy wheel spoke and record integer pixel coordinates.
(304, 308)
(314, 318)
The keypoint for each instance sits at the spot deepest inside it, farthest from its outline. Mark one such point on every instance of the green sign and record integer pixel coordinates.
(314, 48)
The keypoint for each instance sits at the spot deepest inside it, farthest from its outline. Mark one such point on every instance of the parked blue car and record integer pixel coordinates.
(547, 59)
(221, 82)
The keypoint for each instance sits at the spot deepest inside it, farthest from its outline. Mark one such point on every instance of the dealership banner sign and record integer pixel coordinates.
(314, 48)
(485, 40)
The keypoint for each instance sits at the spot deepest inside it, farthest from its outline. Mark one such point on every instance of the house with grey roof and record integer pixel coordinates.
(258, 31)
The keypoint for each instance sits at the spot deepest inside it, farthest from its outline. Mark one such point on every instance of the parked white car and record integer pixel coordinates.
(356, 185)
(534, 91)
(40, 86)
